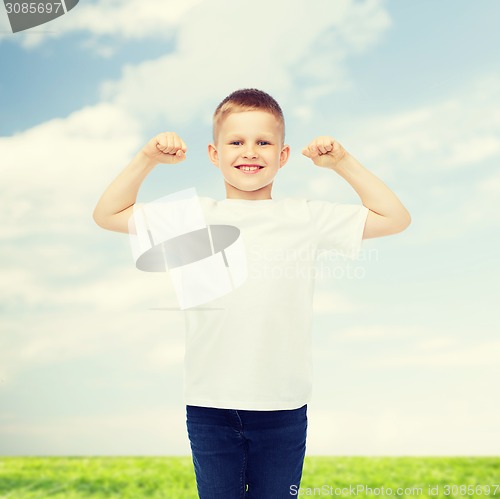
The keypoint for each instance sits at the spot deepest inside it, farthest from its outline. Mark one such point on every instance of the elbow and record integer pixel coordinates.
(404, 222)
(407, 218)
(97, 219)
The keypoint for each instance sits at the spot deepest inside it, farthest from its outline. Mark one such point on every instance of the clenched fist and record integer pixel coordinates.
(166, 147)
(325, 151)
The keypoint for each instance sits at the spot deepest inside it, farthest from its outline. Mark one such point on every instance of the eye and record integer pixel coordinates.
(236, 142)
(263, 142)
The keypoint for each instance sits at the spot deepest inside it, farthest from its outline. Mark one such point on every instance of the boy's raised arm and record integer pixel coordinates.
(387, 214)
(115, 206)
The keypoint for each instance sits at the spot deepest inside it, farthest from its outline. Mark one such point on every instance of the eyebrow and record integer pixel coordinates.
(260, 136)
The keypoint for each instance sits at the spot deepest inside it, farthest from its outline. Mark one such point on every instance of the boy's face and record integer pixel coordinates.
(249, 138)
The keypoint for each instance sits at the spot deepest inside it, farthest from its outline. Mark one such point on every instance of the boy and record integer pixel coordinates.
(248, 354)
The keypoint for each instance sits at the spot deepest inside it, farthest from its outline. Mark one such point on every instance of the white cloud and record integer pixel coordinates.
(126, 19)
(148, 431)
(490, 184)
(437, 158)
(444, 427)
(406, 346)
(416, 346)
(442, 153)
(220, 31)
(459, 131)
(51, 338)
(61, 283)
(220, 48)
(55, 171)
(349, 431)
(92, 317)
(327, 302)
(378, 332)
(4, 25)
(473, 150)
(481, 353)
(53, 174)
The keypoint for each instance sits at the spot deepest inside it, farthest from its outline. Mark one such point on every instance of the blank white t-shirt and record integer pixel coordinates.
(251, 348)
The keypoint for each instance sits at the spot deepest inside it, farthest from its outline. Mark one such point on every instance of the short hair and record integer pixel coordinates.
(247, 99)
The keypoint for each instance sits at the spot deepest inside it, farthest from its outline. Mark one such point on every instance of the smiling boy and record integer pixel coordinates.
(247, 367)
(248, 149)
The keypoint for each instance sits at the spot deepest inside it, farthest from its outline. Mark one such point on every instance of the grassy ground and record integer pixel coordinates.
(173, 477)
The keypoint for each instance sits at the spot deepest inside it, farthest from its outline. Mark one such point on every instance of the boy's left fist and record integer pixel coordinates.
(325, 151)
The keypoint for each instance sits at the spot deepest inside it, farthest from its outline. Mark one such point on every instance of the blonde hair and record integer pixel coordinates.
(247, 99)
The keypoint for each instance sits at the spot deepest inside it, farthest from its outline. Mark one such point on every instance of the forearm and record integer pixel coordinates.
(122, 192)
(374, 194)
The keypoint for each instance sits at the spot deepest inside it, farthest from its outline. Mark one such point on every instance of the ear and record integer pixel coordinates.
(213, 154)
(284, 155)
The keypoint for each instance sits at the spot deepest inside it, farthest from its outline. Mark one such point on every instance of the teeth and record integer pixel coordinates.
(249, 168)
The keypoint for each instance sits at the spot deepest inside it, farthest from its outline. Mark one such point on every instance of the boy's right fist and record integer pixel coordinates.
(166, 147)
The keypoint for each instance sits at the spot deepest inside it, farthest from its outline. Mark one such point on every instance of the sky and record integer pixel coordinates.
(406, 342)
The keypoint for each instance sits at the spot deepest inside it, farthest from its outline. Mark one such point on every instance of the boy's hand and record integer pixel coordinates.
(166, 147)
(325, 151)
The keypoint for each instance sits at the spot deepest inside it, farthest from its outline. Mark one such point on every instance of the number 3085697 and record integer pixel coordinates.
(33, 8)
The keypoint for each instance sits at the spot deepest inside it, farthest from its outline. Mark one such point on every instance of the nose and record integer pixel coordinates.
(249, 151)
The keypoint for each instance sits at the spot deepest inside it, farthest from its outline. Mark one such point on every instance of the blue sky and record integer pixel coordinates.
(405, 355)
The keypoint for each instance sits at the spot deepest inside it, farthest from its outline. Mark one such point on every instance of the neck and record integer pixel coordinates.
(259, 194)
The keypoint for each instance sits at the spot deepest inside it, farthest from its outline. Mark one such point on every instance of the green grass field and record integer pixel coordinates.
(173, 477)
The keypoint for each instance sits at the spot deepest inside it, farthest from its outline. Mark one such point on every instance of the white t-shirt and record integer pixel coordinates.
(251, 348)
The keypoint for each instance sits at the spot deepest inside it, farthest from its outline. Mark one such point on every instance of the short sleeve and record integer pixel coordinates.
(338, 226)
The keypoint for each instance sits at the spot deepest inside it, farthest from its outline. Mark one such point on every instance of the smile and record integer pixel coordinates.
(249, 169)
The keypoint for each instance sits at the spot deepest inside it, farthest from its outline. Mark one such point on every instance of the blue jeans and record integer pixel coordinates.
(233, 449)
